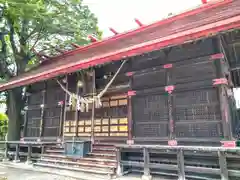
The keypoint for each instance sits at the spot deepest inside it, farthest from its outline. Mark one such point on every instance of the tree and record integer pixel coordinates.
(30, 28)
(3, 125)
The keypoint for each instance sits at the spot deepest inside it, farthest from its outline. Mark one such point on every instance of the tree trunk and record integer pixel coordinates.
(15, 104)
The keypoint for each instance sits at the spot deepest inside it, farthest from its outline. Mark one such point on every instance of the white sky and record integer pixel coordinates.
(120, 14)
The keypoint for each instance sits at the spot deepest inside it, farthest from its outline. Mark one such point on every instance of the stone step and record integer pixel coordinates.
(102, 154)
(60, 151)
(103, 146)
(78, 163)
(86, 159)
(53, 155)
(103, 149)
(99, 159)
(79, 169)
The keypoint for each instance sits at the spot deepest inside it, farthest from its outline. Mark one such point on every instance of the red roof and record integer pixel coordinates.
(193, 24)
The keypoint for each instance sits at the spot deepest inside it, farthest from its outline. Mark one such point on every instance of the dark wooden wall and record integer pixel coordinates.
(138, 105)
(193, 109)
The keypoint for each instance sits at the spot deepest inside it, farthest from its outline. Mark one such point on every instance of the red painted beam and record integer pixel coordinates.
(76, 45)
(113, 31)
(175, 39)
(138, 22)
(92, 38)
(146, 27)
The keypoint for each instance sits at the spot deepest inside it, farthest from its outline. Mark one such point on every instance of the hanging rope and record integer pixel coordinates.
(83, 102)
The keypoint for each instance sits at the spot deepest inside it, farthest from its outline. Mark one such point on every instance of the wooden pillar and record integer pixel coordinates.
(170, 116)
(119, 166)
(29, 156)
(130, 122)
(223, 97)
(61, 127)
(93, 106)
(180, 162)
(16, 157)
(169, 90)
(25, 116)
(6, 152)
(42, 149)
(129, 107)
(65, 107)
(42, 111)
(146, 159)
(224, 113)
(223, 165)
(76, 109)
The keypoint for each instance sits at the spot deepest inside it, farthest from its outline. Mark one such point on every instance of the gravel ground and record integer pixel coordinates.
(18, 174)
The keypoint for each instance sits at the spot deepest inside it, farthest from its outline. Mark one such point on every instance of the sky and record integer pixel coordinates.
(120, 14)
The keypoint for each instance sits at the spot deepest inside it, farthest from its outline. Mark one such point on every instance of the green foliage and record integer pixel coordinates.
(3, 124)
(45, 26)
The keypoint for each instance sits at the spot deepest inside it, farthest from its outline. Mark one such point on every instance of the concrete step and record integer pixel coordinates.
(78, 163)
(79, 169)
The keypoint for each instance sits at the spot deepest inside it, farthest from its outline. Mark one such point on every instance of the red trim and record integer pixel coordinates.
(92, 38)
(228, 144)
(60, 103)
(167, 66)
(130, 142)
(131, 93)
(220, 81)
(129, 73)
(172, 143)
(169, 89)
(217, 56)
(175, 39)
(204, 1)
(146, 27)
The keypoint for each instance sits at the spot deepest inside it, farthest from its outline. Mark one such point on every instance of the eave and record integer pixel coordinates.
(121, 46)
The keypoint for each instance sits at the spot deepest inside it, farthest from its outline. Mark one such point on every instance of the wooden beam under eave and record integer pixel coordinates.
(92, 38)
(113, 31)
(139, 23)
(76, 45)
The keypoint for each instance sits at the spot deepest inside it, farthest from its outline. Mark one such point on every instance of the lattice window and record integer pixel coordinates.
(110, 119)
(198, 113)
(51, 121)
(33, 122)
(70, 128)
(35, 98)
